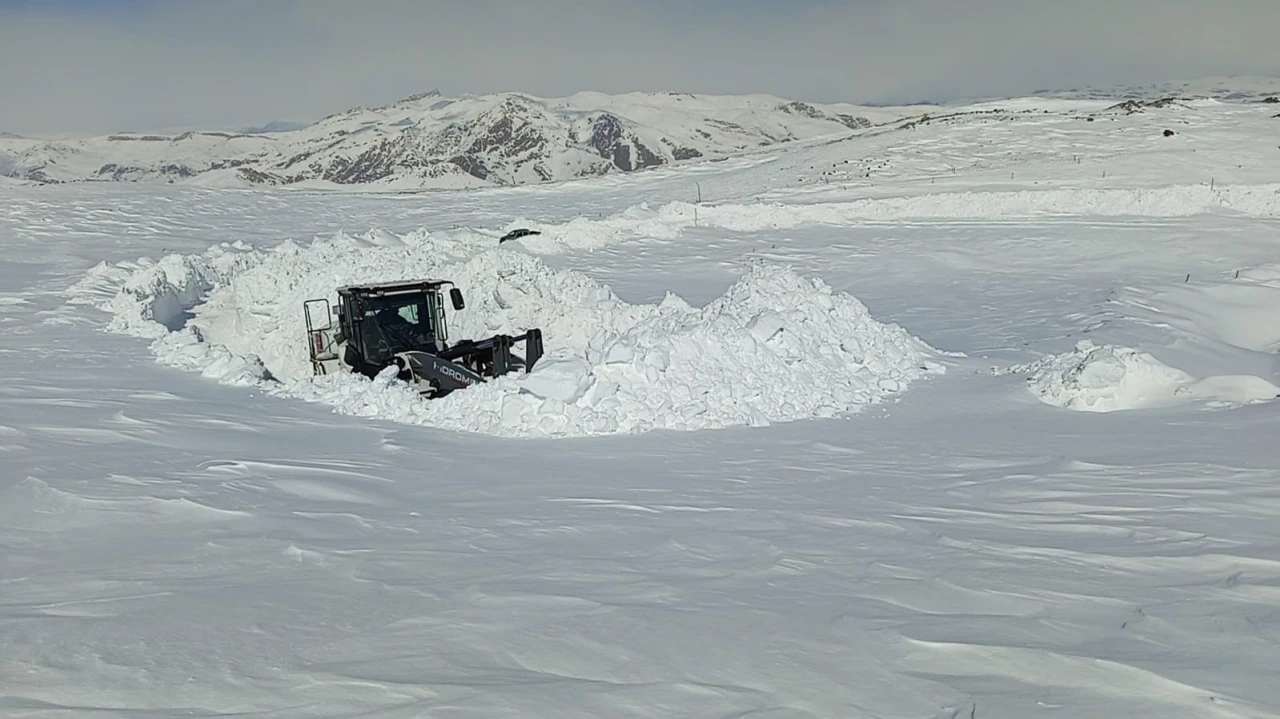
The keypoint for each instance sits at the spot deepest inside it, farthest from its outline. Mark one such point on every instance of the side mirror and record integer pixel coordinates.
(455, 296)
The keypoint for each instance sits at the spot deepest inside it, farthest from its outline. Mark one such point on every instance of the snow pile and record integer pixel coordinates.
(1104, 378)
(154, 299)
(775, 347)
(259, 312)
(149, 298)
(187, 349)
(1107, 378)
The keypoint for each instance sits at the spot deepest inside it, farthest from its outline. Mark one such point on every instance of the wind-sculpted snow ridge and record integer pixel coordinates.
(149, 298)
(776, 347)
(1107, 378)
(1219, 335)
(669, 220)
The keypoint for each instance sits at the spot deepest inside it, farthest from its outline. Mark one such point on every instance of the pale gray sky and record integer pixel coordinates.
(106, 65)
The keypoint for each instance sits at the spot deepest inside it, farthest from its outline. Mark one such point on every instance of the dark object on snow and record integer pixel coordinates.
(1271, 100)
(517, 234)
(402, 325)
(1168, 133)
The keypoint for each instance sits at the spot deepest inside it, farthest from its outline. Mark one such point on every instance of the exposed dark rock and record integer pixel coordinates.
(37, 175)
(609, 139)
(606, 135)
(257, 177)
(471, 166)
(854, 123)
(724, 124)
(117, 172)
(510, 137)
(1130, 107)
(802, 108)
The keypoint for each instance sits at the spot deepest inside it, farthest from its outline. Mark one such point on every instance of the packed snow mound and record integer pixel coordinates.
(775, 347)
(150, 298)
(1107, 378)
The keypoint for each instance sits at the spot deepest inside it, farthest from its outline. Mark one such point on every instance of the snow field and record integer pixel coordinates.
(1222, 338)
(775, 347)
(180, 548)
(670, 219)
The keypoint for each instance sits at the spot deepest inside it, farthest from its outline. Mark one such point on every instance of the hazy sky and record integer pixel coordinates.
(105, 65)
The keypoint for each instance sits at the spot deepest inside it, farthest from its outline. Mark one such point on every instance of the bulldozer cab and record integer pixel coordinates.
(380, 321)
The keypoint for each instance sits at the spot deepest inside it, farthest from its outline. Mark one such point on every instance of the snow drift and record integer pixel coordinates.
(775, 347)
(1107, 378)
(1222, 336)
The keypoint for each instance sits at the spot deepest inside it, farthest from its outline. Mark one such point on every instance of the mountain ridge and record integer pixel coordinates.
(427, 140)
(430, 141)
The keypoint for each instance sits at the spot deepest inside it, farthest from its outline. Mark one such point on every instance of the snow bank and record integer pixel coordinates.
(1107, 378)
(776, 347)
(1172, 201)
(1104, 378)
(150, 298)
(669, 220)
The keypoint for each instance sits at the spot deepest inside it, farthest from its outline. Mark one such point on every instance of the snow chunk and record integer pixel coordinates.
(565, 380)
(187, 350)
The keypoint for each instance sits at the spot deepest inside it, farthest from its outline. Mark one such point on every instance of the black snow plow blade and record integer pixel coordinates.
(471, 362)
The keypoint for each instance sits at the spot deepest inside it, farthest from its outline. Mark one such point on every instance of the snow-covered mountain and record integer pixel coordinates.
(274, 126)
(431, 141)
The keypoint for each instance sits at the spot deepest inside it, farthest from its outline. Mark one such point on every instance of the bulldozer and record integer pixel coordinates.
(403, 324)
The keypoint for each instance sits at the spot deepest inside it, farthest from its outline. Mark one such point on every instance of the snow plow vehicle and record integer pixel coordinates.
(403, 324)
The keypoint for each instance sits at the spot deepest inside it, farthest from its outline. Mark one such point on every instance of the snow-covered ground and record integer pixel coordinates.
(973, 418)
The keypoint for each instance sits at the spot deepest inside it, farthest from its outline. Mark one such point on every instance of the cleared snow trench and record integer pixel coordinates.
(775, 347)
